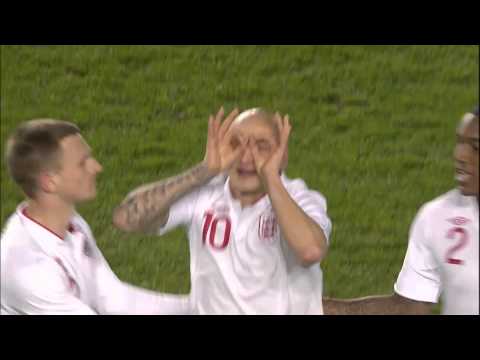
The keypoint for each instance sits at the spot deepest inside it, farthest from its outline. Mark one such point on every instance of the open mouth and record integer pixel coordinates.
(245, 172)
(461, 175)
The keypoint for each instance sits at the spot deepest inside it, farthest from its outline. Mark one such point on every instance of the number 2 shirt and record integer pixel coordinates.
(442, 255)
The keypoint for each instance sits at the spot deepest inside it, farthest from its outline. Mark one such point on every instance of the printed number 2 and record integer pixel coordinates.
(212, 226)
(461, 244)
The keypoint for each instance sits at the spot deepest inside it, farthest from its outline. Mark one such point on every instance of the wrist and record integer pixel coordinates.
(272, 180)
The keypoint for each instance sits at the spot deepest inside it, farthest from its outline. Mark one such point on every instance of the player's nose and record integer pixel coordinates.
(97, 167)
(247, 156)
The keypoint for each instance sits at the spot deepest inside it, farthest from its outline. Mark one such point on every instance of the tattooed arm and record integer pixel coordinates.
(147, 208)
(377, 305)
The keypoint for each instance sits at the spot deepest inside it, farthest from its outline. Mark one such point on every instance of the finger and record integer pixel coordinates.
(243, 142)
(210, 129)
(278, 122)
(211, 139)
(216, 126)
(217, 120)
(287, 128)
(228, 136)
(287, 121)
(220, 114)
(285, 132)
(238, 152)
(238, 140)
(229, 130)
(227, 122)
(235, 154)
(210, 125)
(279, 127)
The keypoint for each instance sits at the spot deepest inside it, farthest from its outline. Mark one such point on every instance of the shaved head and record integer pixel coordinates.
(469, 118)
(258, 115)
(261, 129)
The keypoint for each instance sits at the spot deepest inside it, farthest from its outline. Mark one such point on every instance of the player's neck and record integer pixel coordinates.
(247, 199)
(53, 215)
(250, 200)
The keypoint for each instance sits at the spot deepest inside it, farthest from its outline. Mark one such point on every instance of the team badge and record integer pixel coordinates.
(267, 227)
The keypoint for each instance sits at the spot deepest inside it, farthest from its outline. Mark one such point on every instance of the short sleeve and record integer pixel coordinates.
(180, 213)
(314, 205)
(419, 278)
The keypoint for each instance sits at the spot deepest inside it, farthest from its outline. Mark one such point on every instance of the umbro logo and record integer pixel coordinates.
(458, 221)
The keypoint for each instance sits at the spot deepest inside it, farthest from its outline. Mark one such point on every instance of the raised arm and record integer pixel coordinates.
(146, 208)
(303, 234)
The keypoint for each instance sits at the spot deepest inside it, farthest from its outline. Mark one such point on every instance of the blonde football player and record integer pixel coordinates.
(256, 237)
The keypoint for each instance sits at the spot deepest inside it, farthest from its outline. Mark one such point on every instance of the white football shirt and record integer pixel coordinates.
(442, 255)
(41, 273)
(239, 261)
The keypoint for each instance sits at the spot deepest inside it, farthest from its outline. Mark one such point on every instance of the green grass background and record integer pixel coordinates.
(373, 130)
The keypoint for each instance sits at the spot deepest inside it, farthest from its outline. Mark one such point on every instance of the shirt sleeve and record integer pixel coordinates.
(314, 205)
(419, 278)
(114, 297)
(181, 212)
(44, 289)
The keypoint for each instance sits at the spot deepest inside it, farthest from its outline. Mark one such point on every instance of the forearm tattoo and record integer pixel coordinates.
(148, 206)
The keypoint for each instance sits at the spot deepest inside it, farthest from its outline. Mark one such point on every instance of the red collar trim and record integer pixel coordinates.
(69, 229)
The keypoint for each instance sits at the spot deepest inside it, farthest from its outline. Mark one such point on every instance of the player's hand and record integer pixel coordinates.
(272, 166)
(221, 151)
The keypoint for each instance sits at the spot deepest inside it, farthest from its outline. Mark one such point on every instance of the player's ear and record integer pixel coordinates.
(48, 182)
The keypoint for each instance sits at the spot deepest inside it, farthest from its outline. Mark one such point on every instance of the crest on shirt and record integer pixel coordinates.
(267, 227)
